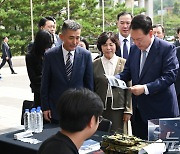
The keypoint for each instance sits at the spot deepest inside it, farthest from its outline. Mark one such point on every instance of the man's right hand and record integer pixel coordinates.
(47, 115)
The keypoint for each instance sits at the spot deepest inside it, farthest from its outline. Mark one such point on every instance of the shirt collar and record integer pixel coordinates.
(109, 60)
(121, 38)
(65, 52)
(149, 47)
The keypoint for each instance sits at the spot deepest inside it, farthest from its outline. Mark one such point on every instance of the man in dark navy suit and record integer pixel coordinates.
(177, 83)
(152, 66)
(125, 41)
(123, 23)
(66, 66)
(6, 55)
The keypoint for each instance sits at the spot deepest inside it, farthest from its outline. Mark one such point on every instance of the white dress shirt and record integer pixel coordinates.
(128, 43)
(109, 66)
(65, 55)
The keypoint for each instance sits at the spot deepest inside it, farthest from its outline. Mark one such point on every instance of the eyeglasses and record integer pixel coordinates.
(100, 119)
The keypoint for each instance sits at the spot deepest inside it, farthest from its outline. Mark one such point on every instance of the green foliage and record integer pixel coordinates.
(176, 9)
(166, 3)
(171, 21)
(15, 18)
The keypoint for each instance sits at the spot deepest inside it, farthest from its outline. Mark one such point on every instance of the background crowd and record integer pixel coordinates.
(137, 54)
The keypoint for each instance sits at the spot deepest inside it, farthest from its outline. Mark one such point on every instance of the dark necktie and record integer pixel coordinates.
(143, 61)
(125, 49)
(69, 66)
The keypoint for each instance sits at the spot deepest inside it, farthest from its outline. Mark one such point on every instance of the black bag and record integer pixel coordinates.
(26, 105)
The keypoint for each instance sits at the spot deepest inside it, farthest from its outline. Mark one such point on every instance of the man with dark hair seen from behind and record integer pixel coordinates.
(66, 66)
(152, 66)
(79, 116)
(6, 55)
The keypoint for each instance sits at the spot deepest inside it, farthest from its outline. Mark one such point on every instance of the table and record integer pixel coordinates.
(11, 146)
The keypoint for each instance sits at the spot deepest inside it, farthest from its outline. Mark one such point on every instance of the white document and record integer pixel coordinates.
(89, 146)
(114, 82)
(154, 148)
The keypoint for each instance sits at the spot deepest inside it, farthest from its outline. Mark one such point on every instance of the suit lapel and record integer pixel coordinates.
(62, 62)
(150, 58)
(101, 68)
(76, 63)
(119, 67)
(137, 63)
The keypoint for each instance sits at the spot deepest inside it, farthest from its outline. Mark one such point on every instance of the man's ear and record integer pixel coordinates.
(61, 36)
(151, 33)
(92, 121)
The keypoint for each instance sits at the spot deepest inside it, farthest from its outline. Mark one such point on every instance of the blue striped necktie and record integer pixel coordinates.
(142, 61)
(69, 66)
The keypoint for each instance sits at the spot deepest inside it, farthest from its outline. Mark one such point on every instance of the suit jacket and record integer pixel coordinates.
(34, 70)
(118, 52)
(177, 43)
(54, 78)
(177, 83)
(159, 74)
(6, 52)
(121, 98)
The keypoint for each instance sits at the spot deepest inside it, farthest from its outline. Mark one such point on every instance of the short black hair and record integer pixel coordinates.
(124, 13)
(51, 18)
(43, 20)
(159, 25)
(142, 22)
(76, 107)
(4, 37)
(103, 37)
(178, 30)
(70, 24)
(43, 40)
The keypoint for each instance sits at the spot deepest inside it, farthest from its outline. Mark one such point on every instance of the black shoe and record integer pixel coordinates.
(13, 73)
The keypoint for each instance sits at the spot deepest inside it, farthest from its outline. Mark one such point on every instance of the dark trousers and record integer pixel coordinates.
(116, 116)
(9, 62)
(139, 127)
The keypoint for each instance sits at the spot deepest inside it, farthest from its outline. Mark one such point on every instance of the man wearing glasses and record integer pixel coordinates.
(79, 117)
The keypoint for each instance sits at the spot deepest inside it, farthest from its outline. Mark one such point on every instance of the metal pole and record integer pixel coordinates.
(103, 13)
(68, 9)
(132, 7)
(162, 12)
(32, 27)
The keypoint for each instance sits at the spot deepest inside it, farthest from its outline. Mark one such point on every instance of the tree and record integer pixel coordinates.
(176, 9)
(171, 21)
(17, 24)
(15, 20)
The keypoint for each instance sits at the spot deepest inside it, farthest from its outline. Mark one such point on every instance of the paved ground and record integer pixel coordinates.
(14, 88)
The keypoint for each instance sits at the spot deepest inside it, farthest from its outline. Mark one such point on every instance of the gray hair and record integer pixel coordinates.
(70, 24)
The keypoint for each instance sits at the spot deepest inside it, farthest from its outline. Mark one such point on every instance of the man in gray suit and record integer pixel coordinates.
(6, 55)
